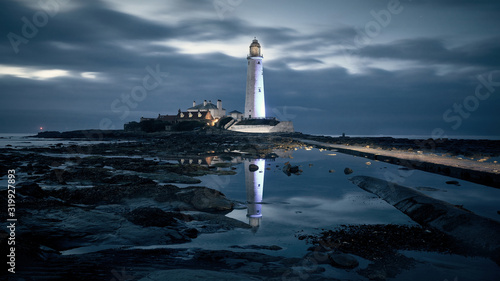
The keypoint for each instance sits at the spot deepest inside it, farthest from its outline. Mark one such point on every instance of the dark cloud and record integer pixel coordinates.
(118, 46)
(484, 53)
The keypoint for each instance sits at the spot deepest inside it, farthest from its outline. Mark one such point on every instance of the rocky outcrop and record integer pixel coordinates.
(205, 199)
(148, 216)
(478, 234)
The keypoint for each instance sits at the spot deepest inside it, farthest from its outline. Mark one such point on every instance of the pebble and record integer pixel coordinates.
(453, 182)
(348, 171)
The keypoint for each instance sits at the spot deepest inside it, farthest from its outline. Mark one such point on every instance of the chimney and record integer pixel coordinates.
(219, 104)
(194, 103)
(205, 103)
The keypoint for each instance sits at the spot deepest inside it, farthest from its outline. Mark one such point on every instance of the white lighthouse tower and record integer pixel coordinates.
(255, 105)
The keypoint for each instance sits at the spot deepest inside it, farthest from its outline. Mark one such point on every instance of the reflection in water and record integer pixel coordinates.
(254, 182)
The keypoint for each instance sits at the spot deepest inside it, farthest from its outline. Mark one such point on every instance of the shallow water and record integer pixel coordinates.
(322, 197)
(317, 199)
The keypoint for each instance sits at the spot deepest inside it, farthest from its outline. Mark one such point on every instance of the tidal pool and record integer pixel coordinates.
(280, 208)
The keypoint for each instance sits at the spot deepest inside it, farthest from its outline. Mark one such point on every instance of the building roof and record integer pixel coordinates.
(194, 116)
(235, 111)
(200, 106)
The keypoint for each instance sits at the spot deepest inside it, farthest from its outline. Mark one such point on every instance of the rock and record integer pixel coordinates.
(30, 189)
(258, 247)
(205, 199)
(288, 169)
(460, 224)
(197, 274)
(343, 261)
(212, 223)
(453, 183)
(125, 179)
(425, 188)
(148, 216)
(377, 275)
(272, 156)
(318, 257)
(191, 232)
(253, 168)
(348, 171)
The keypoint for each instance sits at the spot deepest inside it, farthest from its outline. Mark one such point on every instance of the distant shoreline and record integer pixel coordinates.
(466, 148)
(409, 137)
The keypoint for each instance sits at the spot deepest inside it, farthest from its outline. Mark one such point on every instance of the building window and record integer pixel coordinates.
(258, 62)
(259, 91)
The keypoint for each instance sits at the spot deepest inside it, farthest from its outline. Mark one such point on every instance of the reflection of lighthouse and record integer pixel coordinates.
(254, 182)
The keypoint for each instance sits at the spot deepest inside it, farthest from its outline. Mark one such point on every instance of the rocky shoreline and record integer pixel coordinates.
(121, 197)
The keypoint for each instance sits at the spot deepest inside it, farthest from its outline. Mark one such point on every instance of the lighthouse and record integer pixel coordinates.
(255, 105)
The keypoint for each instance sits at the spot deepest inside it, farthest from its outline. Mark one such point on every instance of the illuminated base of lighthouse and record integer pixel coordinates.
(281, 127)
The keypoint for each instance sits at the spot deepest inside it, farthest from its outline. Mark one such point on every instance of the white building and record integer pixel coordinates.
(255, 105)
(216, 111)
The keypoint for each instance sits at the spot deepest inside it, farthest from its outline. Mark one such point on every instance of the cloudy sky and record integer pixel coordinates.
(385, 67)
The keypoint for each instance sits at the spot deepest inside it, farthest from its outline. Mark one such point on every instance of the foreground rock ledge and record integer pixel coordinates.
(479, 234)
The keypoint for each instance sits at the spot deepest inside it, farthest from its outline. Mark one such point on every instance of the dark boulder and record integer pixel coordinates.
(343, 261)
(30, 189)
(148, 216)
(348, 171)
(288, 169)
(205, 199)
